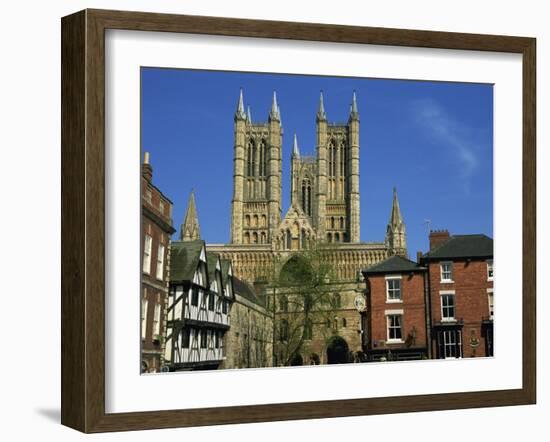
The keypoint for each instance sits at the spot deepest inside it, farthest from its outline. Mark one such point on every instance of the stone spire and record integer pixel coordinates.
(295, 149)
(354, 113)
(275, 113)
(240, 114)
(190, 229)
(395, 219)
(248, 115)
(395, 232)
(321, 115)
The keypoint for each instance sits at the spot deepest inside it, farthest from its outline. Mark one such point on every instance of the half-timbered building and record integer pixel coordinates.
(199, 301)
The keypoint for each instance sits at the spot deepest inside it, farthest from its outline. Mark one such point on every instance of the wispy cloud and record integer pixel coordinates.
(449, 133)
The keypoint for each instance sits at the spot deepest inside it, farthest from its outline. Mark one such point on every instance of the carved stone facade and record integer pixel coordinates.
(325, 208)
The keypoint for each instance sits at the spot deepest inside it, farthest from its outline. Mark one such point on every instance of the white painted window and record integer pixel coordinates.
(160, 262)
(490, 298)
(144, 305)
(395, 333)
(447, 306)
(446, 271)
(489, 270)
(147, 245)
(156, 321)
(452, 343)
(393, 289)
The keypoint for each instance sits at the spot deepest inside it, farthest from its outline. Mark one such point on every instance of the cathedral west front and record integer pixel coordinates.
(325, 197)
(324, 208)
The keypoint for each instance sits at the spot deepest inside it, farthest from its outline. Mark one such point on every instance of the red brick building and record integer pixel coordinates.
(156, 227)
(460, 282)
(396, 325)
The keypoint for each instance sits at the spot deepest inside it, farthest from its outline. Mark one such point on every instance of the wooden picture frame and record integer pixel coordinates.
(83, 220)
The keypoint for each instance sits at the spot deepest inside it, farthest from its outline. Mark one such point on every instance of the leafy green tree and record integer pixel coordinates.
(304, 297)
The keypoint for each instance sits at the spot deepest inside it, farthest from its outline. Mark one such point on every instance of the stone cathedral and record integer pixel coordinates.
(325, 198)
(325, 208)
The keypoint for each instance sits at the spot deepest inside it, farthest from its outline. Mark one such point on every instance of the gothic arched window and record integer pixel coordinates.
(342, 159)
(263, 158)
(247, 238)
(336, 237)
(303, 239)
(332, 222)
(255, 238)
(251, 158)
(332, 158)
(247, 221)
(329, 237)
(341, 222)
(264, 221)
(263, 238)
(288, 239)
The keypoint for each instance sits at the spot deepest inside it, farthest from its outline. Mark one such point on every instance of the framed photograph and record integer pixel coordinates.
(267, 221)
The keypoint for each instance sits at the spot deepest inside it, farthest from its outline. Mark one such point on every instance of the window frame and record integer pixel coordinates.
(441, 272)
(394, 278)
(453, 295)
(491, 302)
(391, 314)
(490, 270)
(144, 311)
(161, 249)
(147, 251)
(457, 344)
(156, 320)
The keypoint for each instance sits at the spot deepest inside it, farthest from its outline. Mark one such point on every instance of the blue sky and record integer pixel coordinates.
(432, 140)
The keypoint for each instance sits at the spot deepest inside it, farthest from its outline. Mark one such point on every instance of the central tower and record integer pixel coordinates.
(257, 169)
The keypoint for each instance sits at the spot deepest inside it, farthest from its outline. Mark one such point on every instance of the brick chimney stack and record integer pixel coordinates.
(438, 237)
(146, 169)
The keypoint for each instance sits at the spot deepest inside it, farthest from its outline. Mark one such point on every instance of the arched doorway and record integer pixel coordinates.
(337, 350)
(296, 360)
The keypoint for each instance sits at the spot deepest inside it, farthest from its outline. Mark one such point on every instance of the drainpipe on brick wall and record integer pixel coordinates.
(428, 311)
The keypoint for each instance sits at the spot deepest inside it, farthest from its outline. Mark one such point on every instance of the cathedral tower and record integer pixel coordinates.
(256, 204)
(336, 215)
(396, 240)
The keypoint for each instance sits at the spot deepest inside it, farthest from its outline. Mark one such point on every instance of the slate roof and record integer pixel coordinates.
(394, 264)
(245, 290)
(184, 258)
(463, 246)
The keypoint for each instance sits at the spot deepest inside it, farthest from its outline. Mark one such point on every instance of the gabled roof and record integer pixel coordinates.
(211, 262)
(226, 263)
(463, 246)
(394, 264)
(245, 290)
(184, 259)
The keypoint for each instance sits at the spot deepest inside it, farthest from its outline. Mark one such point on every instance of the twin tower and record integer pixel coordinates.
(324, 188)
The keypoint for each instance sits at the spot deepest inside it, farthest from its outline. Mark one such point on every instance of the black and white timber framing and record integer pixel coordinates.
(199, 307)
